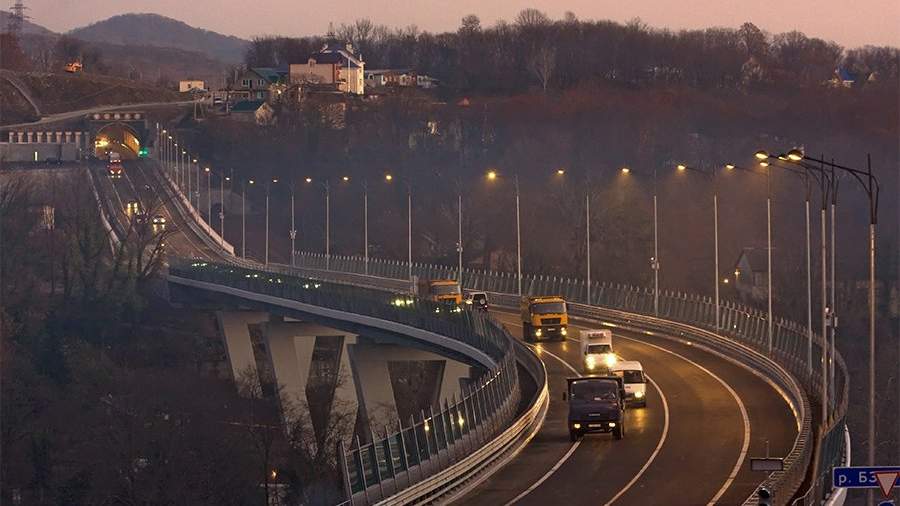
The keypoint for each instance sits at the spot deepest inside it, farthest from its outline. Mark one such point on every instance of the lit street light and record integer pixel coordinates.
(327, 188)
(654, 260)
(870, 185)
(389, 178)
(492, 175)
(768, 174)
(711, 174)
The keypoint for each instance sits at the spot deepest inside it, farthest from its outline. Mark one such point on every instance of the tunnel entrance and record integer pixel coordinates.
(117, 137)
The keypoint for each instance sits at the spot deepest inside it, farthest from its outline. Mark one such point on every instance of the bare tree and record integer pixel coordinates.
(542, 64)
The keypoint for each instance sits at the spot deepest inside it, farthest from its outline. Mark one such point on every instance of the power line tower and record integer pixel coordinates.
(16, 17)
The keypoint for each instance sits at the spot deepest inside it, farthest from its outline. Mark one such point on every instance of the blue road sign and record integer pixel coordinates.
(860, 477)
(886, 503)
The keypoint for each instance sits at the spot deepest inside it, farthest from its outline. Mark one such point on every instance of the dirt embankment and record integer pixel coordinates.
(13, 106)
(64, 92)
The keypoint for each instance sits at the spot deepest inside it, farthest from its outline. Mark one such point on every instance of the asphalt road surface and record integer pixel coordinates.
(691, 445)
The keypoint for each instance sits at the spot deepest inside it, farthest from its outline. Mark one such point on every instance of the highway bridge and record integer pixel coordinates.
(716, 398)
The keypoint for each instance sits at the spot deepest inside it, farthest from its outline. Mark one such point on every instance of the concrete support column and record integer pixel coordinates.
(39, 137)
(21, 137)
(68, 137)
(58, 137)
(12, 137)
(234, 326)
(78, 139)
(30, 137)
(291, 346)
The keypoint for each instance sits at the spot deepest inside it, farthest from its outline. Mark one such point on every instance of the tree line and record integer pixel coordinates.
(537, 51)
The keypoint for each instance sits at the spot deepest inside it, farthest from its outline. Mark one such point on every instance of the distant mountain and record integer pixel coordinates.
(160, 31)
(28, 27)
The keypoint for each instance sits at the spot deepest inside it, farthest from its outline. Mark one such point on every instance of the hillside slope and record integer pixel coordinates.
(160, 31)
(27, 27)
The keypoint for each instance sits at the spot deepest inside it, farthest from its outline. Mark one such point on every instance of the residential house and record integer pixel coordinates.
(191, 85)
(751, 274)
(843, 78)
(258, 82)
(399, 77)
(257, 111)
(334, 64)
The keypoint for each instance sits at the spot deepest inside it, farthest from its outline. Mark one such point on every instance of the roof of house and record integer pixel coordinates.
(334, 52)
(273, 75)
(756, 257)
(388, 71)
(248, 105)
(846, 75)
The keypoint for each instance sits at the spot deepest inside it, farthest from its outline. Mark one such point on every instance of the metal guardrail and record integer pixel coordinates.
(742, 325)
(428, 455)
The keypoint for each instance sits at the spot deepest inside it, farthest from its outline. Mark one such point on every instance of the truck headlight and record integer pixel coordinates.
(638, 394)
(590, 362)
(612, 424)
(537, 332)
(609, 359)
(562, 331)
(576, 425)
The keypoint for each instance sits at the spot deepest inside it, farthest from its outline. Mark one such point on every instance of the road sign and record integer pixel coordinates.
(866, 477)
(768, 464)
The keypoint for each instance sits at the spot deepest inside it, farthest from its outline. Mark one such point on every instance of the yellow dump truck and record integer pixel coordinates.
(544, 317)
(440, 290)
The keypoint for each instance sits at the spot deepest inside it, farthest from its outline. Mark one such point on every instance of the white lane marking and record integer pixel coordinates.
(659, 445)
(545, 476)
(569, 453)
(192, 245)
(742, 456)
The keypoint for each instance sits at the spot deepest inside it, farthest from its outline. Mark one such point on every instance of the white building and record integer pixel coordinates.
(333, 64)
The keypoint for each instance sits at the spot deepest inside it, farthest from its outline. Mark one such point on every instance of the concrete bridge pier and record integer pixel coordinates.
(376, 385)
(235, 331)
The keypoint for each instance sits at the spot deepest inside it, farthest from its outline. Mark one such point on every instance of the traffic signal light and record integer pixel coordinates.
(143, 152)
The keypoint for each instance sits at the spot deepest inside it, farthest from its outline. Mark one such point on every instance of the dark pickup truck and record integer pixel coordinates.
(596, 404)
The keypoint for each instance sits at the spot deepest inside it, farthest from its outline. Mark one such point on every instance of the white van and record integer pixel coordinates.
(632, 374)
(597, 349)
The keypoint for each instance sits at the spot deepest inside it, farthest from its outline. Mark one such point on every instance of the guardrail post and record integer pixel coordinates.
(377, 465)
(342, 461)
(362, 470)
(403, 453)
(419, 459)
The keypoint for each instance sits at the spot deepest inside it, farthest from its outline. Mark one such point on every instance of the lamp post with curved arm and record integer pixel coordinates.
(492, 176)
(711, 174)
(390, 178)
(870, 185)
(654, 260)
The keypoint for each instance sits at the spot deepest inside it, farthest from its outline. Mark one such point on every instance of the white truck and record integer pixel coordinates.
(632, 374)
(597, 349)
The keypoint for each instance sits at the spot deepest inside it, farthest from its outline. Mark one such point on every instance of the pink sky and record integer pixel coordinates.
(850, 23)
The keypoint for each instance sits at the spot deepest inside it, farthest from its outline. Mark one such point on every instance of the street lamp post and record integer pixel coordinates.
(268, 191)
(711, 174)
(222, 179)
(389, 178)
(189, 178)
(870, 185)
(293, 231)
(208, 196)
(654, 262)
(492, 175)
(770, 323)
(459, 241)
(244, 218)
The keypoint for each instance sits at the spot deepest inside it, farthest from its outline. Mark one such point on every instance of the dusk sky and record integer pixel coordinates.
(852, 23)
